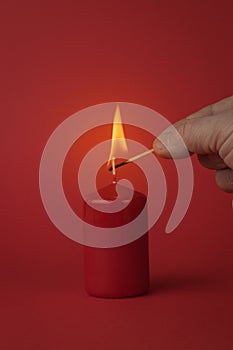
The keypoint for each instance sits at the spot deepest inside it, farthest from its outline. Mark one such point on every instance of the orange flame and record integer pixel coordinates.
(118, 136)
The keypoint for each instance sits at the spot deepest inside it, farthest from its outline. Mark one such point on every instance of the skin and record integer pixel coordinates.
(209, 134)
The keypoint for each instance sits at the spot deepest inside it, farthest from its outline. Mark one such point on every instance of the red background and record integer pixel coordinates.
(58, 57)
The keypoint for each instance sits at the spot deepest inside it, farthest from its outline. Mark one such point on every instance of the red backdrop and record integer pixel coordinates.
(58, 57)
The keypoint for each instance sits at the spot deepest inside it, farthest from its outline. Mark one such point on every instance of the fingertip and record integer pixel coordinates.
(160, 149)
(158, 146)
(224, 180)
(170, 144)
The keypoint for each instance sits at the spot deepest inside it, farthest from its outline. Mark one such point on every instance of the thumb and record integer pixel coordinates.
(205, 135)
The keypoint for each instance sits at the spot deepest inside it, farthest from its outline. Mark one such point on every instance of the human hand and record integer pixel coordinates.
(209, 134)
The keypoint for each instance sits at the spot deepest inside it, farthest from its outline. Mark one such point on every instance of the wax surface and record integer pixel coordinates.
(120, 271)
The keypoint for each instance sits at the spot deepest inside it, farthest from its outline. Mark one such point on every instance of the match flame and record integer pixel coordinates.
(118, 136)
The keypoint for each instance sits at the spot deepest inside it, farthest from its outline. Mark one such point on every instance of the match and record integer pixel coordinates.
(131, 159)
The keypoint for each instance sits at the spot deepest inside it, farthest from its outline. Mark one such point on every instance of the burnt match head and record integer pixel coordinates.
(119, 165)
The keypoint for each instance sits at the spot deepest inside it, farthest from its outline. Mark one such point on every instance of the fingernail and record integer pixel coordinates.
(158, 145)
(173, 143)
(167, 140)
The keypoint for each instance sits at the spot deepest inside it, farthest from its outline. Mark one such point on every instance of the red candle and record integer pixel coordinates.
(119, 271)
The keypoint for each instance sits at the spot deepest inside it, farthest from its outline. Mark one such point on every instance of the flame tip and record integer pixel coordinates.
(118, 136)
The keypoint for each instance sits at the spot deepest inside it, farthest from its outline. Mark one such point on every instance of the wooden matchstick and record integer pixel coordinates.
(131, 159)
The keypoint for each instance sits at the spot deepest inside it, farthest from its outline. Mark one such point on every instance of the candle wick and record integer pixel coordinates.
(114, 170)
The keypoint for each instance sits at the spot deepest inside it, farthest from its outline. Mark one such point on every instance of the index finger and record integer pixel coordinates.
(213, 109)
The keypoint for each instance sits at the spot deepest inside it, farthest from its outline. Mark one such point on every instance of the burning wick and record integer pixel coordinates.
(113, 169)
(114, 166)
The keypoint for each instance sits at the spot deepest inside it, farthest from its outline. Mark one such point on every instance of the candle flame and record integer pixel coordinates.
(118, 136)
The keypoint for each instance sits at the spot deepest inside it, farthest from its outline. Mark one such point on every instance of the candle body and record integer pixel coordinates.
(120, 271)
